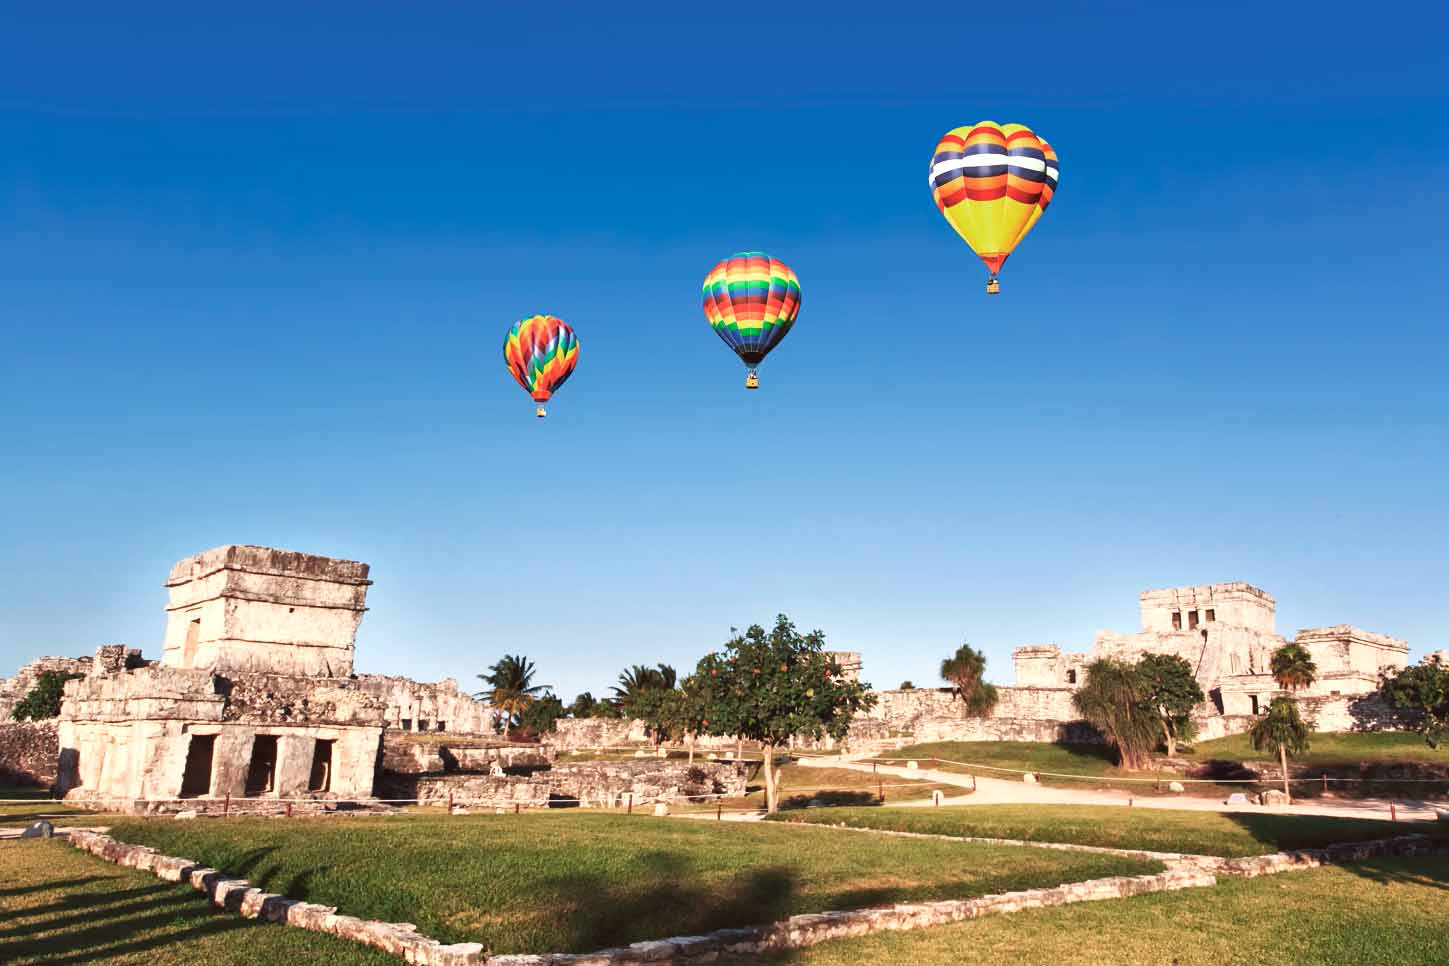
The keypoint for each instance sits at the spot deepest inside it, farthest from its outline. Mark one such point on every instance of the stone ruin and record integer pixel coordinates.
(255, 706)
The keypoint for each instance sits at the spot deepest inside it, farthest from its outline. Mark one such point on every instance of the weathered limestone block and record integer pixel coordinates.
(29, 752)
(608, 783)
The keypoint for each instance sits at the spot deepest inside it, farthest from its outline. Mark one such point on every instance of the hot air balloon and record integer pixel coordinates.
(751, 300)
(992, 182)
(541, 352)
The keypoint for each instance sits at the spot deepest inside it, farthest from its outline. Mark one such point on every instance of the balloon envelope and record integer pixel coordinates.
(751, 301)
(992, 182)
(541, 352)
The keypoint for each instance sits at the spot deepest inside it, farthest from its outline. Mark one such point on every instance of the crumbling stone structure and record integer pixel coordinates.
(252, 698)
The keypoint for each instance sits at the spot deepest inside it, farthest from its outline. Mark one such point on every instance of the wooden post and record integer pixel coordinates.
(1393, 813)
(226, 806)
(516, 807)
(973, 782)
(631, 804)
(1325, 783)
(719, 811)
(1129, 801)
(873, 768)
(450, 803)
(880, 790)
(289, 809)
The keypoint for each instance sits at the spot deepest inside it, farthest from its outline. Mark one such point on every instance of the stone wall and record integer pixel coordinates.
(13, 690)
(29, 752)
(574, 734)
(413, 706)
(936, 714)
(468, 791)
(605, 783)
(405, 753)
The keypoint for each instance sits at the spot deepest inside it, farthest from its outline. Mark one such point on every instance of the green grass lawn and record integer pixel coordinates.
(36, 807)
(1095, 762)
(1388, 912)
(1153, 829)
(60, 905)
(1326, 748)
(577, 881)
(800, 786)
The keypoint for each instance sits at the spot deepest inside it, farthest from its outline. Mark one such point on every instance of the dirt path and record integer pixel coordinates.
(1000, 791)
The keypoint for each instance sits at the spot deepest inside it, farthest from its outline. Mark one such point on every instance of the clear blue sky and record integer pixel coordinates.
(255, 274)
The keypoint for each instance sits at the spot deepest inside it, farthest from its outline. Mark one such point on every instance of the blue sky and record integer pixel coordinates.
(256, 274)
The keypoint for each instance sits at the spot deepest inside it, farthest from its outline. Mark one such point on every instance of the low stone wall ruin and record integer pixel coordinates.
(29, 752)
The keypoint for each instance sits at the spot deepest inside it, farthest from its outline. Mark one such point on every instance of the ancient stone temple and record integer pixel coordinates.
(1227, 633)
(252, 699)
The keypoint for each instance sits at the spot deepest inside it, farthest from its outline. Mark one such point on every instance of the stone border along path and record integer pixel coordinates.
(402, 939)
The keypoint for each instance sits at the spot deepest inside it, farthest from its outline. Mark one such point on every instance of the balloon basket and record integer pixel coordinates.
(993, 287)
(540, 412)
(752, 381)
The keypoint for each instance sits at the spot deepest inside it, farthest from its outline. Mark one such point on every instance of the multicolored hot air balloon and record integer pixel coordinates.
(992, 182)
(751, 301)
(541, 352)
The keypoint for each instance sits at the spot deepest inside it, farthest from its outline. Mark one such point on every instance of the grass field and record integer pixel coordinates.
(36, 807)
(59, 905)
(1326, 748)
(1153, 829)
(1384, 913)
(576, 882)
(800, 786)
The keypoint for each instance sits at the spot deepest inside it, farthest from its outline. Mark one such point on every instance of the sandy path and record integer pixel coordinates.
(1000, 791)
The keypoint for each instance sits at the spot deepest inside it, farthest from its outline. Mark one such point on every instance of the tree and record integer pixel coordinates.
(541, 714)
(770, 686)
(1281, 726)
(636, 680)
(1421, 693)
(510, 688)
(906, 686)
(965, 671)
(582, 706)
(1172, 693)
(44, 698)
(1293, 667)
(1114, 698)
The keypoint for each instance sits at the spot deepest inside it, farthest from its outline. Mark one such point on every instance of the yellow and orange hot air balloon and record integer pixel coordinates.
(992, 182)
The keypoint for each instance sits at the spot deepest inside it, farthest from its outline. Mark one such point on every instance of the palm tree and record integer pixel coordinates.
(1283, 727)
(1293, 667)
(965, 670)
(1114, 699)
(635, 680)
(510, 687)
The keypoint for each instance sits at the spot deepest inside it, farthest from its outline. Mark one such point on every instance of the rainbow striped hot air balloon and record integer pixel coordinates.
(541, 352)
(751, 301)
(992, 182)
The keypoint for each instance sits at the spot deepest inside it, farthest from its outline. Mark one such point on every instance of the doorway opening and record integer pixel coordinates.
(321, 777)
(196, 779)
(262, 772)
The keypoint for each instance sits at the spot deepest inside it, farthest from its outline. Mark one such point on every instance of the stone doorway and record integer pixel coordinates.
(321, 777)
(196, 779)
(262, 772)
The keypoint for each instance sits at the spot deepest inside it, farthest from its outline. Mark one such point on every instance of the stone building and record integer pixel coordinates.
(253, 696)
(1227, 633)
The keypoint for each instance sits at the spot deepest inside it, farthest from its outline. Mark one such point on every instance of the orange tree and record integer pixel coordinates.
(770, 686)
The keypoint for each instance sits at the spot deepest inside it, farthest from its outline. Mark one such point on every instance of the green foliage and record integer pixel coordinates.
(584, 705)
(1116, 699)
(1421, 693)
(771, 686)
(511, 689)
(1293, 667)
(1172, 692)
(966, 670)
(1282, 728)
(43, 701)
(907, 686)
(540, 715)
(636, 682)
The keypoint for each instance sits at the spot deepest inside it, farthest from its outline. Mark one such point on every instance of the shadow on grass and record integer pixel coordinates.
(604, 913)
(1289, 832)
(98, 927)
